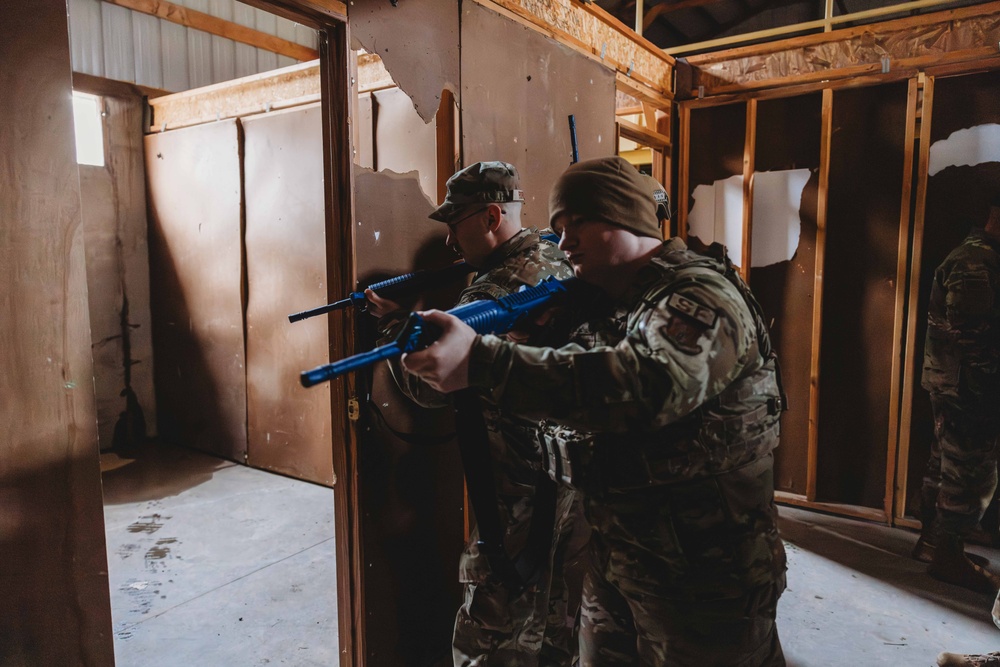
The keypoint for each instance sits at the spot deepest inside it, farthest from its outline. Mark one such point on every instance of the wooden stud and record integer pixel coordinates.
(663, 127)
(893, 444)
(683, 167)
(655, 97)
(749, 150)
(642, 135)
(812, 452)
(855, 511)
(913, 317)
(220, 27)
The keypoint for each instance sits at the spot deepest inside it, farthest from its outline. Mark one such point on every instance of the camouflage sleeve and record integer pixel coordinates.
(680, 352)
(970, 303)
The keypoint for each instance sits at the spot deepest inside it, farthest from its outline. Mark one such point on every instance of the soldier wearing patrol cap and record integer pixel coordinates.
(497, 625)
(662, 410)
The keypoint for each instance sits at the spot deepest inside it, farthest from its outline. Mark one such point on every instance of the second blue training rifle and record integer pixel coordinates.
(485, 317)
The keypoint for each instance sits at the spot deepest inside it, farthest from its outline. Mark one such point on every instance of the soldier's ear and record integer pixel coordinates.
(494, 215)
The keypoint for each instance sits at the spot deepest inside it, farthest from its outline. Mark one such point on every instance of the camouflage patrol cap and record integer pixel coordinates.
(608, 189)
(661, 198)
(480, 183)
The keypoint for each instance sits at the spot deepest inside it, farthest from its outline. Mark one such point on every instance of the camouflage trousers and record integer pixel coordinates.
(962, 470)
(537, 627)
(687, 573)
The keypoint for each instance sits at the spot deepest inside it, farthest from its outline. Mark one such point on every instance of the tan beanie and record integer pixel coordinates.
(608, 189)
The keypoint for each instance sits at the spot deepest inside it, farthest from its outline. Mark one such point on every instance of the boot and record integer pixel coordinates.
(971, 660)
(923, 550)
(951, 565)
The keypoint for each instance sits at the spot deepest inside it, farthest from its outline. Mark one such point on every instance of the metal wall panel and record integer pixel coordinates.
(199, 46)
(246, 55)
(119, 47)
(194, 190)
(173, 41)
(266, 22)
(519, 112)
(86, 37)
(285, 30)
(223, 50)
(148, 55)
(289, 426)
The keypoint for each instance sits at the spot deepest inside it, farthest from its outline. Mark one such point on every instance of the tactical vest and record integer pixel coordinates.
(728, 431)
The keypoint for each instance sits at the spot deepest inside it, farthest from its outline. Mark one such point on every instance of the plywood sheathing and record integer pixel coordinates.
(417, 41)
(53, 560)
(114, 216)
(593, 31)
(289, 426)
(288, 87)
(412, 493)
(909, 44)
(196, 256)
(520, 113)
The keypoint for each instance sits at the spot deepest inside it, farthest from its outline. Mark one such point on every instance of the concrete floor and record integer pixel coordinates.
(216, 564)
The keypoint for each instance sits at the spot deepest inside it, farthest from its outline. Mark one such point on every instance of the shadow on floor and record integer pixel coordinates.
(155, 471)
(882, 553)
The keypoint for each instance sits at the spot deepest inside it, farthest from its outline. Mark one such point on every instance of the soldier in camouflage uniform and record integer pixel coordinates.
(493, 625)
(663, 410)
(962, 373)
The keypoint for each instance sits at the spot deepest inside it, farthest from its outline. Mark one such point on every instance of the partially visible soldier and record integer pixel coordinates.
(495, 625)
(663, 410)
(962, 373)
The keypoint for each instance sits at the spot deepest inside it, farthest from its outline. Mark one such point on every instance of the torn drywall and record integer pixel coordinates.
(717, 214)
(417, 42)
(776, 226)
(971, 146)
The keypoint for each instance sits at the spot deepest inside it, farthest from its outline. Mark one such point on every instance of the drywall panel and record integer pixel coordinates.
(859, 293)
(364, 145)
(193, 181)
(788, 138)
(289, 427)
(418, 42)
(963, 175)
(53, 560)
(402, 140)
(519, 112)
(411, 493)
(715, 176)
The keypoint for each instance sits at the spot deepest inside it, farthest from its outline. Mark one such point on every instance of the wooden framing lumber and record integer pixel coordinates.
(898, 316)
(946, 38)
(855, 511)
(190, 18)
(372, 74)
(590, 30)
(258, 93)
(98, 85)
(643, 135)
(826, 137)
(683, 169)
(913, 316)
(749, 149)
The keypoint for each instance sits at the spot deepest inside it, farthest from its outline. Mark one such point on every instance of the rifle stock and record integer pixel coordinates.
(484, 317)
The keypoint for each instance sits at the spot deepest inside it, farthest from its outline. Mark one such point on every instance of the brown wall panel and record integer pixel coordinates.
(196, 263)
(411, 494)
(859, 293)
(289, 426)
(115, 223)
(788, 137)
(956, 196)
(517, 109)
(53, 562)
(718, 135)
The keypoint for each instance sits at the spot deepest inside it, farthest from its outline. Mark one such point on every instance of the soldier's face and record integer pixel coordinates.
(467, 235)
(594, 247)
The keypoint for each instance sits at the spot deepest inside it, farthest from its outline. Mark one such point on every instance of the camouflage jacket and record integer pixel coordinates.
(664, 404)
(524, 260)
(962, 347)
(665, 369)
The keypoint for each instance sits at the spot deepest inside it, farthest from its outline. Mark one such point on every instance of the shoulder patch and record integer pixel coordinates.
(693, 310)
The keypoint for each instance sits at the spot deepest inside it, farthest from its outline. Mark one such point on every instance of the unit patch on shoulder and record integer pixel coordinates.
(695, 311)
(687, 322)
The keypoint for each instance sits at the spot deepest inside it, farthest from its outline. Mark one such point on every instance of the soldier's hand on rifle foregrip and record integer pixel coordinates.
(444, 364)
(378, 306)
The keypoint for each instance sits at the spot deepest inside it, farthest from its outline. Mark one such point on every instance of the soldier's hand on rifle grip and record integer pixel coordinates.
(444, 364)
(379, 307)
